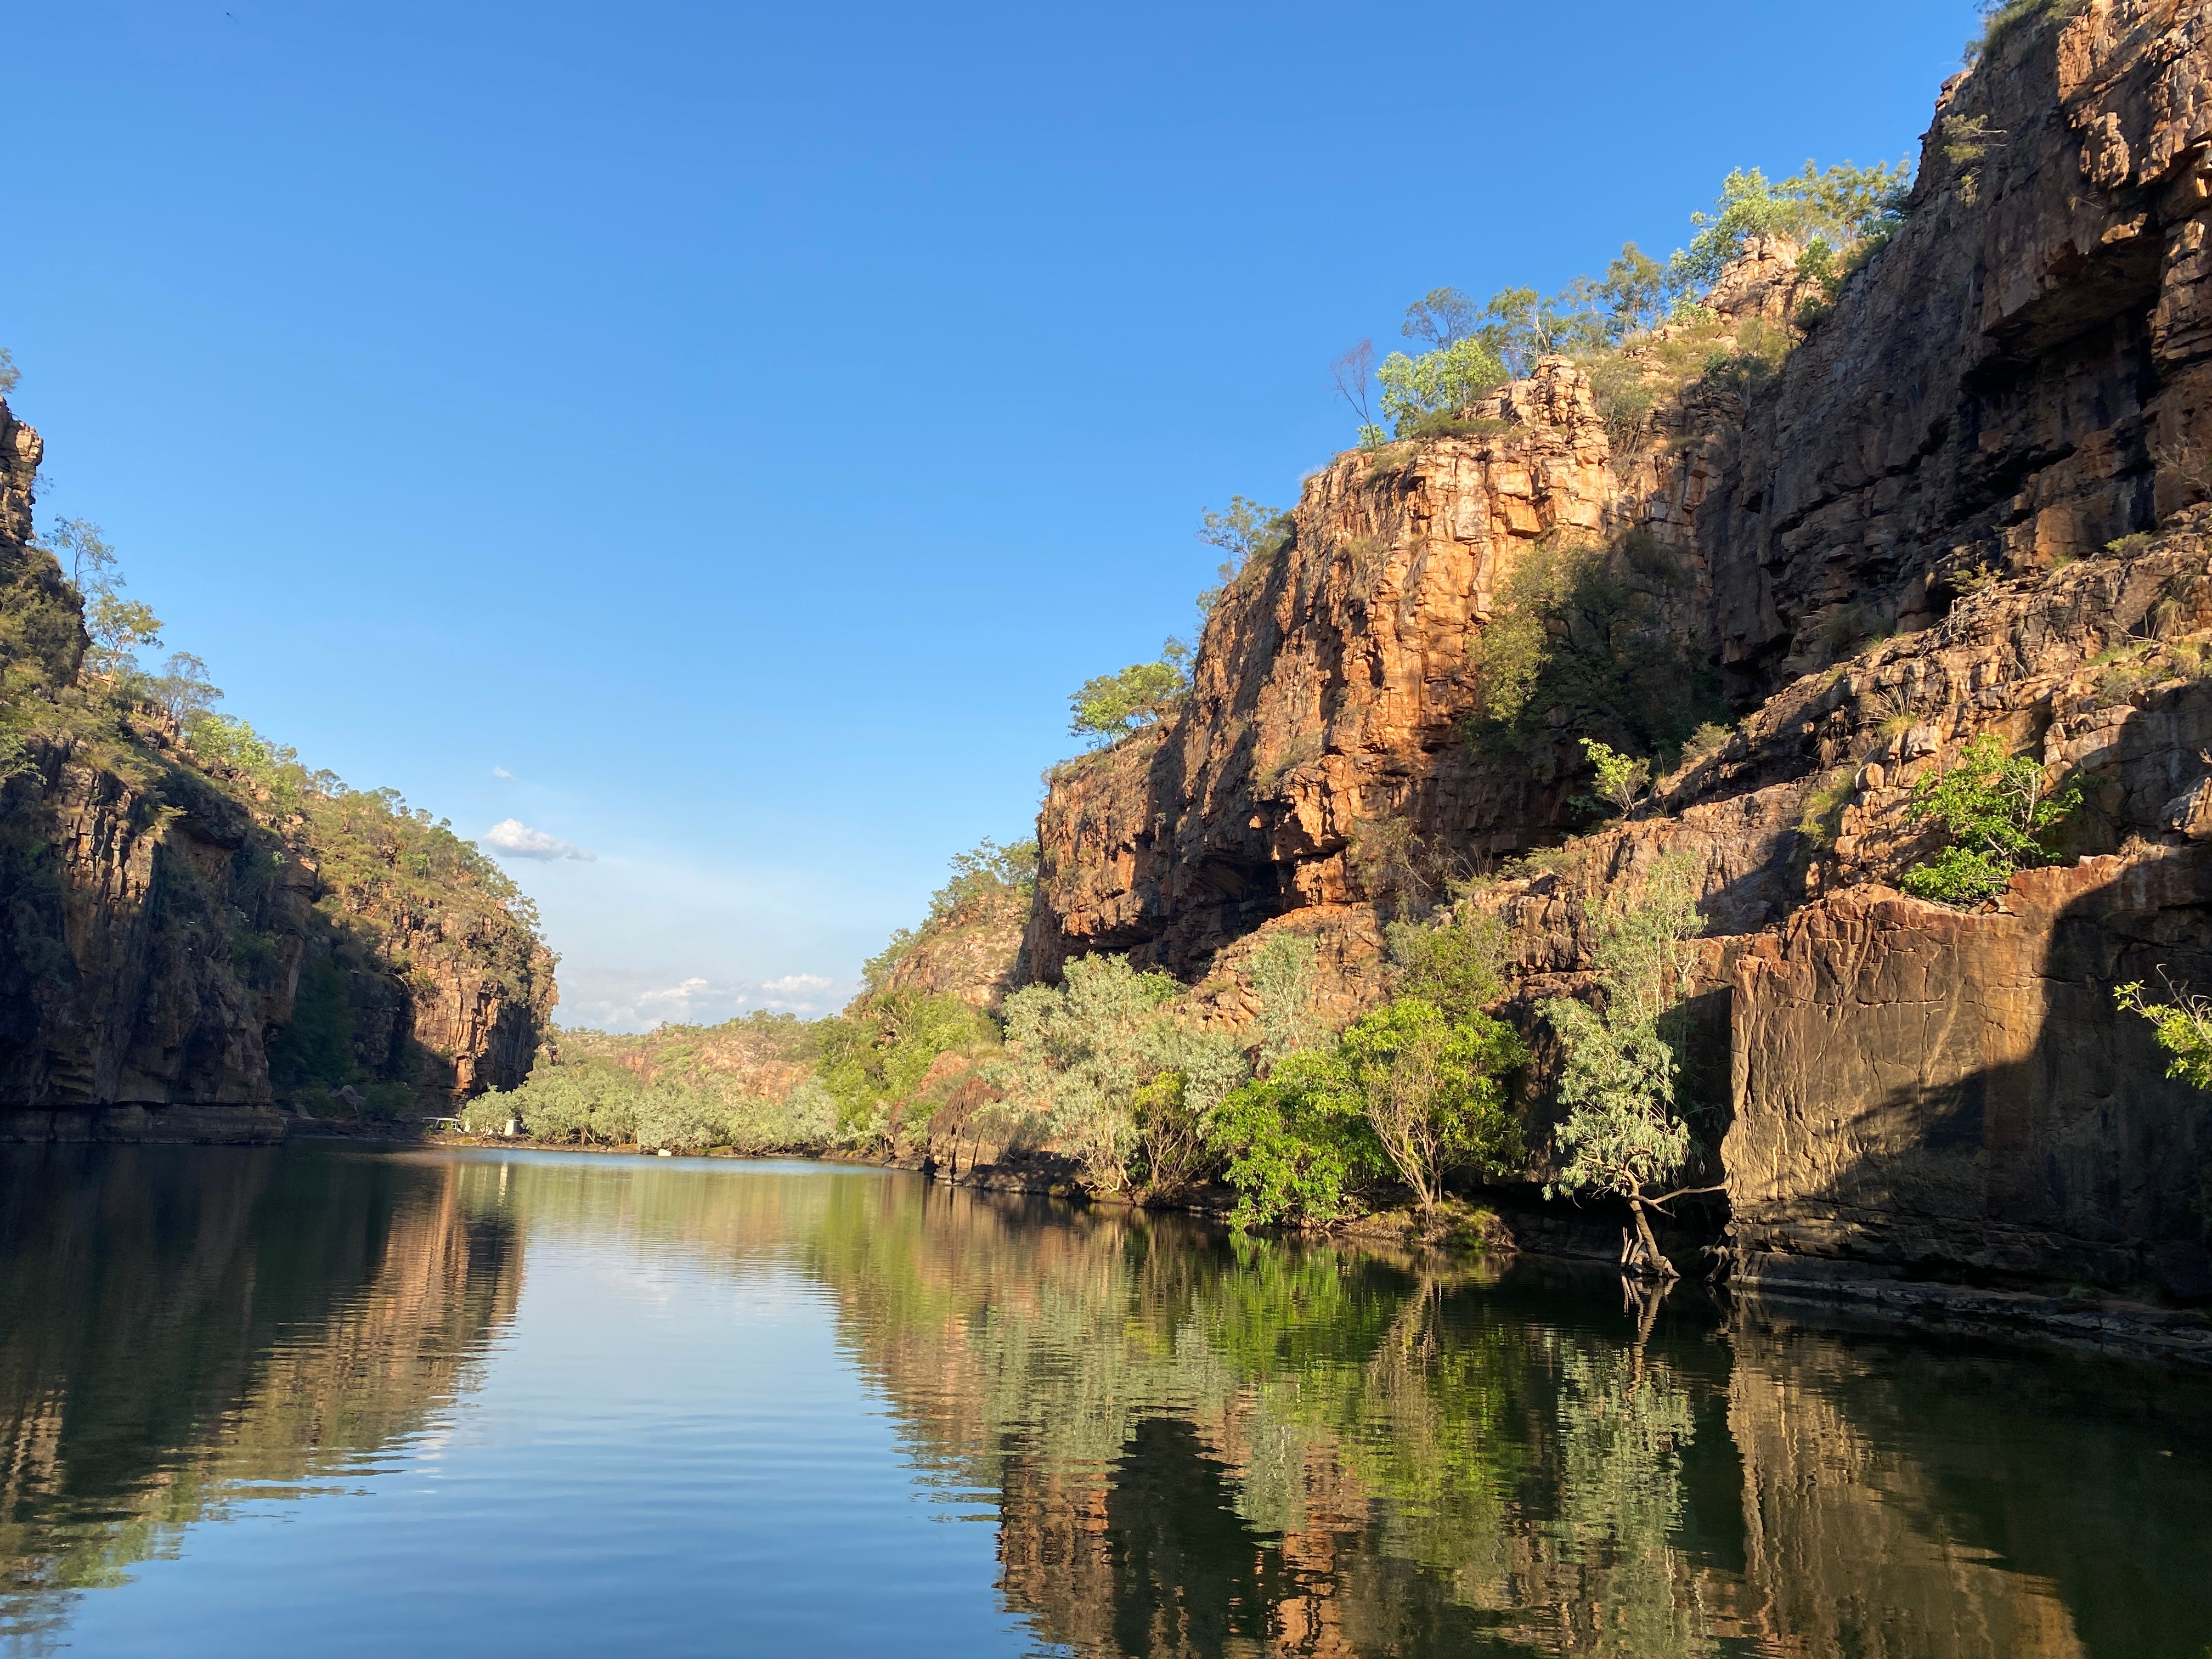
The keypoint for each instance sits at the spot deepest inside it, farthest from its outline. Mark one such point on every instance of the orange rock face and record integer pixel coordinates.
(2015, 380)
(2021, 378)
(1328, 699)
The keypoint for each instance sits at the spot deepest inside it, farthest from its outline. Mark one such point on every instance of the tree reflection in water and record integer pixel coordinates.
(1190, 1443)
(181, 1327)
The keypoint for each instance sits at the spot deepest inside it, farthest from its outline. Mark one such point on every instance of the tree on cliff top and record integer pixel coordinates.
(1843, 208)
(1245, 531)
(1109, 707)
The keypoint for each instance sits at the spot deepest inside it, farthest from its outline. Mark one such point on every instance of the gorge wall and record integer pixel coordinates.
(1910, 534)
(182, 944)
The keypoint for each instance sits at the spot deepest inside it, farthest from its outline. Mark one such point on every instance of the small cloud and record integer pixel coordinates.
(517, 839)
(683, 995)
(795, 985)
(501, 772)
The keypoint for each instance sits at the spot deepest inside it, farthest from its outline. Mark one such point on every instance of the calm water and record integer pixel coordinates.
(330, 1401)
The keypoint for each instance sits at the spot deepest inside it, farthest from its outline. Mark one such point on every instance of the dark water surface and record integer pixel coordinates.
(323, 1401)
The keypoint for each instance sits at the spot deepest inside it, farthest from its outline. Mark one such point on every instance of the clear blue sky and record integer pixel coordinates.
(719, 436)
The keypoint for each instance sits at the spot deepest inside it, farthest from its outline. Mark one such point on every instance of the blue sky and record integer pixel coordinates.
(717, 438)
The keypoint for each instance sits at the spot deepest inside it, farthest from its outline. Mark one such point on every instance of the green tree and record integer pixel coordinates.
(1442, 318)
(1624, 1132)
(1433, 1089)
(315, 1047)
(1520, 326)
(1437, 384)
(1081, 1054)
(1637, 292)
(1109, 707)
(1622, 782)
(1297, 1144)
(1407, 1088)
(184, 687)
(1997, 814)
(9, 374)
(1282, 979)
(874, 1056)
(2183, 1029)
(1577, 636)
(1454, 965)
(119, 627)
(1244, 531)
(1850, 208)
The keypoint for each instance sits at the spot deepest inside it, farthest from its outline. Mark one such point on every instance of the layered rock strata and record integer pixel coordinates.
(159, 911)
(2015, 380)
(1982, 459)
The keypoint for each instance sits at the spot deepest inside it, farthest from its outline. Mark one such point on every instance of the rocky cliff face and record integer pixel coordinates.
(2021, 377)
(972, 951)
(1324, 733)
(2018, 379)
(173, 934)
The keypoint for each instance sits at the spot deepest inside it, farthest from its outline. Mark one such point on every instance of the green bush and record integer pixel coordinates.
(1578, 630)
(1454, 965)
(489, 1113)
(988, 878)
(872, 1057)
(2002, 19)
(1247, 534)
(1282, 978)
(1843, 208)
(679, 1115)
(586, 1100)
(1997, 814)
(1621, 779)
(1105, 1064)
(1441, 382)
(1407, 1089)
(1297, 1146)
(2184, 1029)
(316, 1045)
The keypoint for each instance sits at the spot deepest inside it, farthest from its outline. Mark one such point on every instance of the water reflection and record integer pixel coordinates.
(1189, 1444)
(183, 1327)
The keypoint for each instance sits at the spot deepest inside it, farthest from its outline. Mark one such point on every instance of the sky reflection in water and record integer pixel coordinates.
(329, 1400)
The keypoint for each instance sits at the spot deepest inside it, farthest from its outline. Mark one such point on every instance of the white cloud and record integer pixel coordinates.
(517, 839)
(795, 985)
(501, 772)
(633, 1003)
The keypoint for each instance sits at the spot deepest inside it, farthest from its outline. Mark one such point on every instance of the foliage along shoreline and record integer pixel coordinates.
(1127, 1074)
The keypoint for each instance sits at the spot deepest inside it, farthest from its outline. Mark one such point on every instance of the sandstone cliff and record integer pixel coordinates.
(2016, 381)
(181, 931)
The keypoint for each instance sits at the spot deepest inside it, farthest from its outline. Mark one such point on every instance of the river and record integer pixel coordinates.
(333, 1400)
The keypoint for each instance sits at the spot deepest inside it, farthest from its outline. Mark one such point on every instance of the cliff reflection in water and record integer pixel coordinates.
(1190, 1445)
(183, 1327)
(1204, 1447)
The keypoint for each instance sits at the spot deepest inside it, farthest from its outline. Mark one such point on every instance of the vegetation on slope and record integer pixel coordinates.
(402, 904)
(1579, 629)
